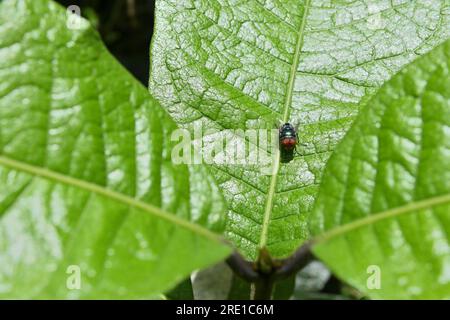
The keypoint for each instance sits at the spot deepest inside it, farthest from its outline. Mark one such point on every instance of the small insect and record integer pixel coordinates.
(288, 137)
(288, 141)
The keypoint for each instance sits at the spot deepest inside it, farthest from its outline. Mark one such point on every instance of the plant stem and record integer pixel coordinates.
(263, 288)
(296, 262)
(265, 271)
(242, 267)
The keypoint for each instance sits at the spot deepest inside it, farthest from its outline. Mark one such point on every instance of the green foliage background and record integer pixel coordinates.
(85, 153)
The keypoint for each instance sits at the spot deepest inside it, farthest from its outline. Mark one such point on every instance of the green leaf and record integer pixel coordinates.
(240, 289)
(384, 203)
(253, 64)
(284, 289)
(86, 178)
(183, 291)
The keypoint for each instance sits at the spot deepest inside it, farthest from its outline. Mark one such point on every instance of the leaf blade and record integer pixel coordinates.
(399, 220)
(232, 66)
(86, 172)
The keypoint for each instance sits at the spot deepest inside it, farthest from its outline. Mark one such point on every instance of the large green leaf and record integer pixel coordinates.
(384, 202)
(86, 177)
(251, 64)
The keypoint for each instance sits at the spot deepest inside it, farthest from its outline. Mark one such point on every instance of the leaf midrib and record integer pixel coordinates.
(287, 104)
(116, 196)
(412, 207)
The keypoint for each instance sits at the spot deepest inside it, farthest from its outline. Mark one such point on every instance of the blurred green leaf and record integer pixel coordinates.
(240, 289)
(183, 291)
(87, 186)
(284, 289)
(383, 210)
